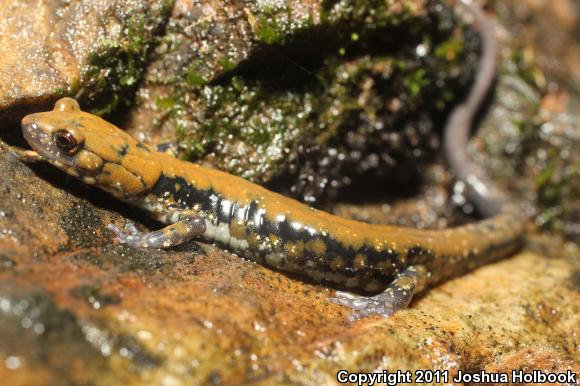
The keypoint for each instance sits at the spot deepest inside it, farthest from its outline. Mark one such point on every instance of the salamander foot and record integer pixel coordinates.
(394, 298)
(177, 233)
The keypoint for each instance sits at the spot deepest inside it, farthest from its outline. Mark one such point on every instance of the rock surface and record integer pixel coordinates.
(308, 94)
(72, 48)
(76, 308)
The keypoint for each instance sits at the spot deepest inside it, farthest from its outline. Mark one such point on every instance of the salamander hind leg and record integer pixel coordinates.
(394, 298)
(183, 230)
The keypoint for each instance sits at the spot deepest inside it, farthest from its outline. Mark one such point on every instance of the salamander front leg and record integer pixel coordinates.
(394, 298)
(183, 230)
(23, 155)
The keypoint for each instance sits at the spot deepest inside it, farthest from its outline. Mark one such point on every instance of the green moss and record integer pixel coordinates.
(227, 64)
(272, 22)
(167, 8)
(194, 78)
(527, 69)
(237, 83)
(450, 49)
(555, 181)
(165, 103)
(268, 30)
(373, 13)
(317, 84)
(544, 177)
(415, 81)
(115, 68)
(61, 92)
(552, 168)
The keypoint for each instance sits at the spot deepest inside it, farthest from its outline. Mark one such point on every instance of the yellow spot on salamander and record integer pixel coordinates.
(360, 261)
(238, 230)
(294, 249)
(316, 246)
(336, 263)
(275, 242)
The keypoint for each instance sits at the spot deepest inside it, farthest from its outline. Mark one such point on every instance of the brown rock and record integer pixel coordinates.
(77, 309)
(48, 48)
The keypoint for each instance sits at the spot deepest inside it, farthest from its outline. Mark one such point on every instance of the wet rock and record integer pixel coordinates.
(315, 93)
(92, 50)
(76, 308)
(73, 311)
(212, 85)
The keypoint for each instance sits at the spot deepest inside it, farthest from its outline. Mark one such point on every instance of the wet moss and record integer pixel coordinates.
(227, 63)
(166, 8)
(374, 13)
(527, 68)
(415, 81)
(368, 67)
(537, 145)
(194, 75)
(556, 184)
(273, 23)
(450, 49)
(115, 68)
(268, 31)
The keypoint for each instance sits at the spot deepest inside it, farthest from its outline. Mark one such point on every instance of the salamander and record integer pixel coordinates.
(387, 265)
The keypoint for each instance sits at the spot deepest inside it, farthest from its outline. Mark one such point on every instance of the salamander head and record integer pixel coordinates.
(91, 149)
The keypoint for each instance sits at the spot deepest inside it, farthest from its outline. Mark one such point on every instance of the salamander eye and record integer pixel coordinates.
(66, 141)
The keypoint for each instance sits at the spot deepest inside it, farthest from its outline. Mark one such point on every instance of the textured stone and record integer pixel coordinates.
(51, 48)
(76, 308)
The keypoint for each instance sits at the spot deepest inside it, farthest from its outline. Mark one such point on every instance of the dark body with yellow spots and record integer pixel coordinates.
(279, 232)
(274, 230)
(254, 222)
